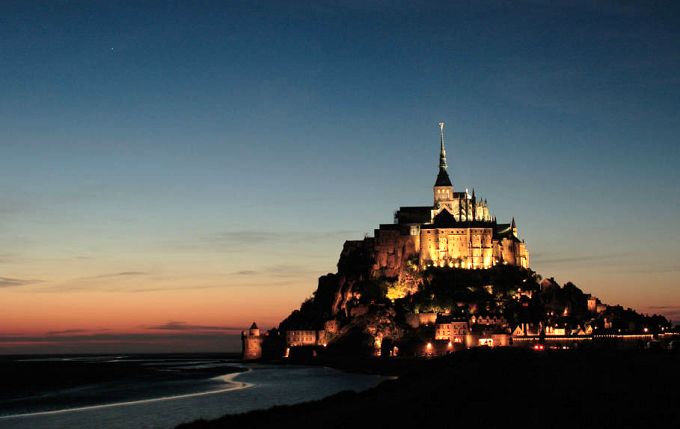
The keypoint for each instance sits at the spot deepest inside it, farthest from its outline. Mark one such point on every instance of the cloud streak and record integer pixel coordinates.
(236, 241)
(121, 274)
(73, 331)
(652, 269)
(15, 208)
(184, 326)
(671, 312)
(281, 271)
(556, 260)
(664, 307)
(81, 286)
(124, 342)
(6, 282)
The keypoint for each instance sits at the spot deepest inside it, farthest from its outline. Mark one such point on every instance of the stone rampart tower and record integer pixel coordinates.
(251, 343)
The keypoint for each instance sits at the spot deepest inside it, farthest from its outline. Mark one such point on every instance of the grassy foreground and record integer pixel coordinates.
(498, 388)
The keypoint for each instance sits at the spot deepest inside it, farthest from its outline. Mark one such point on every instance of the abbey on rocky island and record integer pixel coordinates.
(443, 278)
(458, 231)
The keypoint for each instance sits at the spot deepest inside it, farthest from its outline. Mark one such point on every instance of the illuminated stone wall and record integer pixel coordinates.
(452, 331)
(416, 320)
(251, 344)
(463, 207)
(512, 252)
(443, 194)
(457, 247)
(393, 248)
(297, 338)
(469, 247)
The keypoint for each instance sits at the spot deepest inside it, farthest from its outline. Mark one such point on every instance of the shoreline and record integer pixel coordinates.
(392, 367)
(44, 387)
(262, 387)
(227, 378)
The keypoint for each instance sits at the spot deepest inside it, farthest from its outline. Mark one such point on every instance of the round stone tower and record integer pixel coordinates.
(251, 342)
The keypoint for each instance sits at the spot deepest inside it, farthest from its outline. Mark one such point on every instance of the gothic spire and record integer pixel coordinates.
(442, 149)
(443, 176)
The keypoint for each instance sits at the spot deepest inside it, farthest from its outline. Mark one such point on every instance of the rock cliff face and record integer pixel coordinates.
(364, 267)
(335, 292)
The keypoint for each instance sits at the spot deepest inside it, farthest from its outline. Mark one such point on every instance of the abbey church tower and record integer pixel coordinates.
(443, 189)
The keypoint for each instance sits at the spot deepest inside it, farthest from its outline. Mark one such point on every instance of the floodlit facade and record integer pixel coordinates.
(458, 231)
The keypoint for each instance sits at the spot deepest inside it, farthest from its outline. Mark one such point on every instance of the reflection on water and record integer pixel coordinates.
(261, 387)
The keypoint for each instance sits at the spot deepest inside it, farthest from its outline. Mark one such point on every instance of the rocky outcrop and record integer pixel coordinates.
(335, 292)
(380, 296)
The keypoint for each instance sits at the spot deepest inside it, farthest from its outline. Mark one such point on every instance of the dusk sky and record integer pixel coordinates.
(172, 171)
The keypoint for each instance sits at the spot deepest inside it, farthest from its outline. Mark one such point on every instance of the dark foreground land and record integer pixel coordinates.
(498, 388)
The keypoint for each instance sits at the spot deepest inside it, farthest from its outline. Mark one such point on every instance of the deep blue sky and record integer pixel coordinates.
(196, 146)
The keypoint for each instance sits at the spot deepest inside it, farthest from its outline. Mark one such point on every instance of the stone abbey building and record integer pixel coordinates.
(458, 230)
